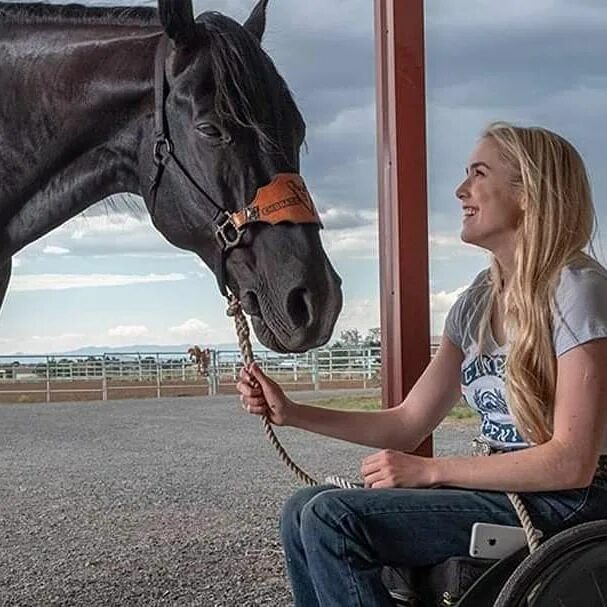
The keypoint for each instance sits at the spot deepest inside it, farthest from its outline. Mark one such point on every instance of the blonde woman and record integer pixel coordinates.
(525, 344)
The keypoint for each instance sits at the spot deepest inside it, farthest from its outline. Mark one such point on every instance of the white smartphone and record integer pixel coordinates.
(488, 541)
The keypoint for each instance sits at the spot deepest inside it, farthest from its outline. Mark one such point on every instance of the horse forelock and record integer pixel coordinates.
(249, 92)
(40, 13)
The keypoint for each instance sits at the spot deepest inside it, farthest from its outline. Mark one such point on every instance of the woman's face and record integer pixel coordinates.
(490, 205)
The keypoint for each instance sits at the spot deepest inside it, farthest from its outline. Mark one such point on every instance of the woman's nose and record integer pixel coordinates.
(462, 190)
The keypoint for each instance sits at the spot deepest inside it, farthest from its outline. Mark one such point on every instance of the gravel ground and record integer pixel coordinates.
(153, 502)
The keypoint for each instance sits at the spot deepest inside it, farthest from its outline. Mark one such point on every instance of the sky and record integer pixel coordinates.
(107, 278)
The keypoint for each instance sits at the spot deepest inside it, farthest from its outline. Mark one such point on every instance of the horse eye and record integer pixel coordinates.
(209, 130)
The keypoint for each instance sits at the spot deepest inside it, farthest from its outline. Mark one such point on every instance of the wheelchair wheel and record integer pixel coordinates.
(567, 570)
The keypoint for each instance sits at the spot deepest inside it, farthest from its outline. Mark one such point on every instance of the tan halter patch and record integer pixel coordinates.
(286, 198)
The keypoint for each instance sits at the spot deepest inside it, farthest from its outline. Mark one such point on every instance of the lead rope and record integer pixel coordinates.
(531, 533)
(481, 447)
(244, 343)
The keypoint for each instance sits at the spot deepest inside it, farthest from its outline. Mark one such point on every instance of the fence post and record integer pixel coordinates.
(213, 373)
(103, 379)
(315, 371)
(158, 375)
(48, 381)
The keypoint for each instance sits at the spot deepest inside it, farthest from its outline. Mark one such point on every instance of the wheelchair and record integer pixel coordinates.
(569, 569)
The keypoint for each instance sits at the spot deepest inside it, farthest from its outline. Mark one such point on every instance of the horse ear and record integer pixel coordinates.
(256, 23)
(177, 19)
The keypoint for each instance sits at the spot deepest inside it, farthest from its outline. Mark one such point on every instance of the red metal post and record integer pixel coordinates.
(403, 206)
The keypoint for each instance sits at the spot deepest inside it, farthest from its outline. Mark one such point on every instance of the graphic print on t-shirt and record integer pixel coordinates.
(483, 389)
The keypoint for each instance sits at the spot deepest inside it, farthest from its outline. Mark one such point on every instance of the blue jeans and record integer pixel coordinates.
(336, 541)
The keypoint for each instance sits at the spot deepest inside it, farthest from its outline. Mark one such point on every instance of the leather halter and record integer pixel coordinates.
(285, 198)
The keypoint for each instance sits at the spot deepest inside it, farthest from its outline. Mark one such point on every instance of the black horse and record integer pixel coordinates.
(189, 113)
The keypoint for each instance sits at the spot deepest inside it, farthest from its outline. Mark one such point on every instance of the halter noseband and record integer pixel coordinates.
(285, 198)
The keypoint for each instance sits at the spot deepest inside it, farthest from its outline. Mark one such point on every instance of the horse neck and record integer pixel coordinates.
(74, 104)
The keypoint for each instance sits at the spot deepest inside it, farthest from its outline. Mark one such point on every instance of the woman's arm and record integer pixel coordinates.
(403, 427)
(568, 460)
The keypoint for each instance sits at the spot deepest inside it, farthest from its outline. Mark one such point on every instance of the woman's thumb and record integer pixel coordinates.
(257, 373)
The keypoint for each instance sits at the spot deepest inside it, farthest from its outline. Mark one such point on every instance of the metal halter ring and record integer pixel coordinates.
(160, 143)
(228, 234)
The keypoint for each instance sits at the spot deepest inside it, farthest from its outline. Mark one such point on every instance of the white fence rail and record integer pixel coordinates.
(173, 373)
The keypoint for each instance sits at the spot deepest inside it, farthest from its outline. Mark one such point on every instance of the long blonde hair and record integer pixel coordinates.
(556, 227)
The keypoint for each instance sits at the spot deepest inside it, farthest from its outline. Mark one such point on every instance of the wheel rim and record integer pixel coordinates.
(576, 578)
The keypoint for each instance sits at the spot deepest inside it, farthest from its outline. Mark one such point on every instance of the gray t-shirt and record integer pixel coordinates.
(579, 315)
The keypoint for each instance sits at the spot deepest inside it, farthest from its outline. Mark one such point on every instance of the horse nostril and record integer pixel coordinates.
(250, 303)
(299, 307)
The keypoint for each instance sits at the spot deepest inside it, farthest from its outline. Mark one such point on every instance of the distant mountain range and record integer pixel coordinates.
(144, 348)
(138, 348)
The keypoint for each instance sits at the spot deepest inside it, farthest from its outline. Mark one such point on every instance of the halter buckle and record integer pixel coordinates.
(228, 234)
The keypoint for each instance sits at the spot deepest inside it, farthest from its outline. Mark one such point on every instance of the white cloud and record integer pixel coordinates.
(445, 240)
(192, 327)
(356, 242)
(445, 246)
(128, 331)
(108, 234)
(361, 314)
(364, 314)
(16, 262)
(440, 304)
(54, 282)
(356, 122)
(339, 218)
(54, 250)
(111, 223)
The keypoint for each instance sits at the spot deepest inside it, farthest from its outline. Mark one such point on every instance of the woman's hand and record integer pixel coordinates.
(396, 469)
(262, 396)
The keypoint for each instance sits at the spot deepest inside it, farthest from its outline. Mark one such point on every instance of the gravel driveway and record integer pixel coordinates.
(153, 502)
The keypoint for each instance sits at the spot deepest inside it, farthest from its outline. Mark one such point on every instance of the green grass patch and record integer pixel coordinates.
(371, 403)
(462, 412)
(358, 403)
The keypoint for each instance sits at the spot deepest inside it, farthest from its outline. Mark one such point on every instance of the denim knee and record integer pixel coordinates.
(322, 518)
(290, 518)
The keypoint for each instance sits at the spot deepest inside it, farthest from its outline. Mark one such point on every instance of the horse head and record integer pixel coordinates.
(227, 133)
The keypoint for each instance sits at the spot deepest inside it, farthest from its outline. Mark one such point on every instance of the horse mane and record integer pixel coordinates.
(41, 13)
(242, 71)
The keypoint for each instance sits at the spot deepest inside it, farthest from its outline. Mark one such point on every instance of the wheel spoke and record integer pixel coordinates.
(599, 590)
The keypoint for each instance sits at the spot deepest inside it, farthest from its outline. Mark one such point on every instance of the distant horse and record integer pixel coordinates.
(201, 358)
(192, 115)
